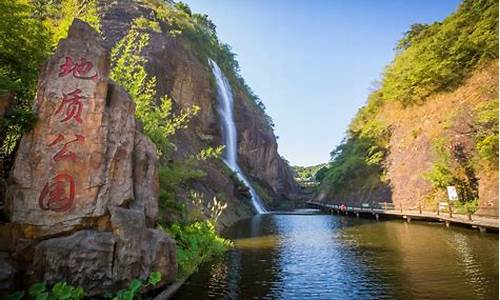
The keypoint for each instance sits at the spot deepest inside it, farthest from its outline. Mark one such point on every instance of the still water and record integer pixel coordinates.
(315, 256)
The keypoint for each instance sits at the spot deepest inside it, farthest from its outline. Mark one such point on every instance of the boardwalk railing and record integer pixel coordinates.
(389, 209)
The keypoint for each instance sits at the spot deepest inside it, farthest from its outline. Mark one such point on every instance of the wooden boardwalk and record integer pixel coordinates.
(481, 223)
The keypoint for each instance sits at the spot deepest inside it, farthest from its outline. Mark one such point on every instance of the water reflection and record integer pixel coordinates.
(332, 257)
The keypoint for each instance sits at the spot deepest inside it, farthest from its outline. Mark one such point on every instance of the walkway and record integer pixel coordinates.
(481, 223)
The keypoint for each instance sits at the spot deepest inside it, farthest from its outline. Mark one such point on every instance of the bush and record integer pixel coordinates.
(466, 207)
(196, 243)
(486, 132)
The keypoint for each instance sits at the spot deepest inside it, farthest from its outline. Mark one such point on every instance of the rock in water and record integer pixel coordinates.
(86, 178)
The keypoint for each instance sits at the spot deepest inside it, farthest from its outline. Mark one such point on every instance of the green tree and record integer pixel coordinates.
(23, 48)
(439, 56)
(128, 71)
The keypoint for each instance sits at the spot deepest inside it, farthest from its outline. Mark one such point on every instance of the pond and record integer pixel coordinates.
(316, 256)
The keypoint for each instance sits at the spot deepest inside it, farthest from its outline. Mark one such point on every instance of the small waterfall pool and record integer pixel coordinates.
(225, 103)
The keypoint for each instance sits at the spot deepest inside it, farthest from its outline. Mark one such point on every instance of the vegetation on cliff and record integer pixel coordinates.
(198, 34)
(430, 59)
(129, 71)
(30, 31)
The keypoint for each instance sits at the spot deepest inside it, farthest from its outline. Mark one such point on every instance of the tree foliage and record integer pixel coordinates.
(486, 133)
(129, 71)
(23, 48)
(439, 56)
(29, 32)
(58, 15)
(360, 155)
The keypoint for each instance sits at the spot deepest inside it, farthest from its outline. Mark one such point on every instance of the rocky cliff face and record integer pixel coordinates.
(185, 76)
(414, 132)
(85, 181)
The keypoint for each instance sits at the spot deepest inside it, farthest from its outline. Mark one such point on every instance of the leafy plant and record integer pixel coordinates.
(64, 291)
(486, 132)
(128, 70)
(196, 243)
(466, 207)
(60, 291)
(136, 285)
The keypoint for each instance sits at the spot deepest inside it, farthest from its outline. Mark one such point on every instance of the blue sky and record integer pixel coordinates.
(312, 62)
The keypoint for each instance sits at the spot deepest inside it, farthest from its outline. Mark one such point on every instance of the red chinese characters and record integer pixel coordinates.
(73, 104)
(81, 69)
(59, 194)
(64, 153)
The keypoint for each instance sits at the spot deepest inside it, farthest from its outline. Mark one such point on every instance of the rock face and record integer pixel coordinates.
(414, 132)
(85, 180)
(187, 78)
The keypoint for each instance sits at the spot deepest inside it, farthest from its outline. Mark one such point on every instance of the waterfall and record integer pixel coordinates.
(225, 111)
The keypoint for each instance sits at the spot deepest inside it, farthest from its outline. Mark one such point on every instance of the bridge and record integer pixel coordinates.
(389, 211)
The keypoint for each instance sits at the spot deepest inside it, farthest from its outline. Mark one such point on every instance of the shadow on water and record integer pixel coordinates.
(314, 256)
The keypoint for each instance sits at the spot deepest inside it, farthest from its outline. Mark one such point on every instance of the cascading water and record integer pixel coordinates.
(225, 110)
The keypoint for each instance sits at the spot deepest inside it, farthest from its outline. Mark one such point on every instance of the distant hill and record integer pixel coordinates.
(307, 174)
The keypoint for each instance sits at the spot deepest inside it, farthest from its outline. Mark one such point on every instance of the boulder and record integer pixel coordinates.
(86, 179)
(102, 262)
(61, 169)
(8, 271)
(84, 259)
(146, 174)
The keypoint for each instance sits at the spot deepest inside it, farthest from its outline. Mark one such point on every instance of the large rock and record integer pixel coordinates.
(102, 262)
(84, 258)
(145, 175)
(8, 271)
(62, 168)
(85, 154)
(86, 179)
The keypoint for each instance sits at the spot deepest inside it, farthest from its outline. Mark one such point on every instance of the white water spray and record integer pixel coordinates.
(225, 110)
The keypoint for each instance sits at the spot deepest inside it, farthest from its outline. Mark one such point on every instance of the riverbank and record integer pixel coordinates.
(483, 224)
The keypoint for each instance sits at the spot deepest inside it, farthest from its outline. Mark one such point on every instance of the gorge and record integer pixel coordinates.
(136, 161)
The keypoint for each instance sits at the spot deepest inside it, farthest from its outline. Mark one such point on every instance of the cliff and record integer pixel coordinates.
(182, 71)
(432, 123)
(411, 150)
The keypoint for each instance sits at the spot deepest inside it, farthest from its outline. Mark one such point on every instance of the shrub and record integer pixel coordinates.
(196, 243)
(24, 46)
(486, 132)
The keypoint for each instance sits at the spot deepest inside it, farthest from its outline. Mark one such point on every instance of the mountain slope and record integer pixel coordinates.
(432, 123)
